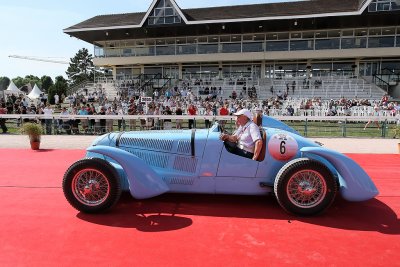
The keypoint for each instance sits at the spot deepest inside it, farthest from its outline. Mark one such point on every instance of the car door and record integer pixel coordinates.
(231, 165)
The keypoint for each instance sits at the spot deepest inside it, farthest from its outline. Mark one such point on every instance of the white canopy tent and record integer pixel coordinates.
(12, 89)
(35, 93)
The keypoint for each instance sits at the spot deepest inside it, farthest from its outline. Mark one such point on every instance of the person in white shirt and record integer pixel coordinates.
(246, 141)
(374, 120)
(109, 122)
(56, 99)
(121, 112)
(155, 94)
(25, 102)
(48, 116)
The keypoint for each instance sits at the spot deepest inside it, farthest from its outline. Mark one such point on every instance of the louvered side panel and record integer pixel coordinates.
(151, 158)
(186, 164)
(179, 180)
(146, 143)
(184, 147)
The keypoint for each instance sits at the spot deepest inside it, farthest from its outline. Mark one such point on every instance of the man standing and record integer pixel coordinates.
(178, 112)
(223, 111)
(3, 126)
(121, 122)
(167, 122)
(132, 111)
(192, 111)
(56, 100)
(84, 121)
(48, 116)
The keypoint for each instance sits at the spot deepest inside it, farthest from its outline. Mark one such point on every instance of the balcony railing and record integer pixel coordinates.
(245, 46)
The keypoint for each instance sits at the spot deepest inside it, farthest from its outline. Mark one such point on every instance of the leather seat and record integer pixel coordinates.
(257, 119)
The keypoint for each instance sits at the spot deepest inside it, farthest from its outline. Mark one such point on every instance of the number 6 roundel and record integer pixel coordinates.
(282, 146)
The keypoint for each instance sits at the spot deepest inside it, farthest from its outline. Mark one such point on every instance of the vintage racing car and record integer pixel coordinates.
(304, 176)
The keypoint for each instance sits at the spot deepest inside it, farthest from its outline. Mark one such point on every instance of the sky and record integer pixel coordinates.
(35, 29)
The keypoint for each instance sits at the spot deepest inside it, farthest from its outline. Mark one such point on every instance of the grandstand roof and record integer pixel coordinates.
(242, 19)
(272, 10)
(311, 8)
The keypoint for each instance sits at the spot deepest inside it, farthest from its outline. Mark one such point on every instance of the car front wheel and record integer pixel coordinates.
(305, 187)
(91, 185)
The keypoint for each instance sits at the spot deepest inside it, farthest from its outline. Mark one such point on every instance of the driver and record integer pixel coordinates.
(246, 141)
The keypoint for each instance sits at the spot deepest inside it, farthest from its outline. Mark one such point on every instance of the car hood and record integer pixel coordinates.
(187, 142)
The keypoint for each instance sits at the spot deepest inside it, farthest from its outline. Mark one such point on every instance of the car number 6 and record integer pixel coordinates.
(282, 147)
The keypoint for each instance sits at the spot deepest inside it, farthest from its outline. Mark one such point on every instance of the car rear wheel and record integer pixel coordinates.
(305, 187)
(91, 185)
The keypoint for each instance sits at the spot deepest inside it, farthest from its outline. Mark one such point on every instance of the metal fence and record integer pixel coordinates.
(309, 126)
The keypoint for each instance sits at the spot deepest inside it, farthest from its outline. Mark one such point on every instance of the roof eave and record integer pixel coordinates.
(286, 17)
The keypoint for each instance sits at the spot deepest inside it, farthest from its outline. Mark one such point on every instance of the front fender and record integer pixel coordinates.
(143, 181)
(356, 185)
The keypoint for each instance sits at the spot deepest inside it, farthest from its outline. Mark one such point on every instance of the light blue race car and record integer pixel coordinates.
(304, 176)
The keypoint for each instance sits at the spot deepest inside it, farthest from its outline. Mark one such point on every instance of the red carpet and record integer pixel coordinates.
(39, 228)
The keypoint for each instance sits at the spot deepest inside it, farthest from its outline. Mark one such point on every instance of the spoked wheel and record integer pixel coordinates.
(91, 185)
(305, 187)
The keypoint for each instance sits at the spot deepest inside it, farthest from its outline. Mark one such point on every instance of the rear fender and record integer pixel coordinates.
(143, 181)
(355, 184)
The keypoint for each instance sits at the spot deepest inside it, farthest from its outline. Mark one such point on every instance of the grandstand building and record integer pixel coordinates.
(259, 42)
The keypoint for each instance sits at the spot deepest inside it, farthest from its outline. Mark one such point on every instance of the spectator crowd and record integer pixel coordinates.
(177, 101)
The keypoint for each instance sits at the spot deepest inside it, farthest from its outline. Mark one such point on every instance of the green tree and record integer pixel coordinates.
(46, 82)
(80, 68)
(4, 83)
(19, 81)
(32, 79)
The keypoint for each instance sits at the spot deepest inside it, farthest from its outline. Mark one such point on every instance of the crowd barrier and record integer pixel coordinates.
(318, 126)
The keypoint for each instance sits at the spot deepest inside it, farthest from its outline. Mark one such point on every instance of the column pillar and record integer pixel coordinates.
(220, 70)
(262, 75)
(180, 76)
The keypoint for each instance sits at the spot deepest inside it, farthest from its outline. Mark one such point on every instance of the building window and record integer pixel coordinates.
(277, 46)
(384, 41)
(260, 42)
(321, 44)
(253, 47)
(301, 45)
(359, 42)
(164, 13)
(186, 49)
(207, 48)
(231, 48)
(384, 5)
(165, 50)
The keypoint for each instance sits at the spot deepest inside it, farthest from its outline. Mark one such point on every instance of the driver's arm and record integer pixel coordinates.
(230, 138)
(257, 149)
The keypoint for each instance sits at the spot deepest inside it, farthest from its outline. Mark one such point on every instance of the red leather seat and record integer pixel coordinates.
(257, 119)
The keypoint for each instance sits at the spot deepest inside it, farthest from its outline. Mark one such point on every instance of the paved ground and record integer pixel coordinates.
(344, 145)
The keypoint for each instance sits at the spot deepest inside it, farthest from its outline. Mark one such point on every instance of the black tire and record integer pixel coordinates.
(305, 187)
(91, 185)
